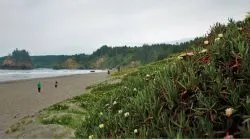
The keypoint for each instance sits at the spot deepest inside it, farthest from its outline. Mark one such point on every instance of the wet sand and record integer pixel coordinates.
(21, 98)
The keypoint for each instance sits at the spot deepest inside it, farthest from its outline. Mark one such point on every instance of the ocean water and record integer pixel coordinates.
(11, 75)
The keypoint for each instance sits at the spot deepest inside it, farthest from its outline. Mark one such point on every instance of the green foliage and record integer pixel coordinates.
(58, 107)
(111, 57)
(48, 61)
(105, 57)
(65, 119)
(123, 56)
(19, 59)
(1, 60)
(180, 97)
(20, 55)
(68, 114)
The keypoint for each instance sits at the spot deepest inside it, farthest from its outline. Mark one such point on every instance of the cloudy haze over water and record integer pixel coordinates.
(81, 26)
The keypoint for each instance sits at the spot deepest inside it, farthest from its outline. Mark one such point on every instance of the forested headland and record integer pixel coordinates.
(103, 58)
(19, 59)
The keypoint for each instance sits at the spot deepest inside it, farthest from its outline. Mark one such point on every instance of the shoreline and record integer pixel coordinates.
(20, 98)
(57, 76)
(15, 75)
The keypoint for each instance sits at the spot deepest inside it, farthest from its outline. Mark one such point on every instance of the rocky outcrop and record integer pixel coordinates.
(68, 64)
(9, 63)
(71, 64)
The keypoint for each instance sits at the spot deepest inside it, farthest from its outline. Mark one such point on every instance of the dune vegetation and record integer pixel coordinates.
(202, 92)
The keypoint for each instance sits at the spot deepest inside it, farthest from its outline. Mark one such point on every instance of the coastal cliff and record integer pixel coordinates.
(19, 59)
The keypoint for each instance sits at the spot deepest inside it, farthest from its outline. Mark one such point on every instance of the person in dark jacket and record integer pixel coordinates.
(56, 84)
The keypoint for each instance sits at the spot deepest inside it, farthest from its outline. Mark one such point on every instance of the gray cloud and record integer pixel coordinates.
(82, 26)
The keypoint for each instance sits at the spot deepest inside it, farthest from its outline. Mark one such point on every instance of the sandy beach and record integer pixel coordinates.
(20, 98)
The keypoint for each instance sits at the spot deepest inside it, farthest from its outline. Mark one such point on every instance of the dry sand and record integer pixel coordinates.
(20, 98)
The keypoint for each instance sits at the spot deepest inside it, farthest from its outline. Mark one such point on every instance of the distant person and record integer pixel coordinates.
(108, 72)
(118, 68)
(56, 84)
(39, 86)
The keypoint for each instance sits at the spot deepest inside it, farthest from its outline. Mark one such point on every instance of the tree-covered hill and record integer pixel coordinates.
(108, 57)
(48, 61)
(111, 57)
(114, 56)
(19, 59)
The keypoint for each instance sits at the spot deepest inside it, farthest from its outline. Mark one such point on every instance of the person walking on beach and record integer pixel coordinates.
(56, 84)
(39, 86)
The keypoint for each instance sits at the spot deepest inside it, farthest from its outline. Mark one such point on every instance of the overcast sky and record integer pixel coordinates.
(81, 26)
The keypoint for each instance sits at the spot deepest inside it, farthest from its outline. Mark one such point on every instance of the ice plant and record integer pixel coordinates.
(91, 137)
(107, 105)
(220, 35)
(147, 77)
(149, 119)
(181, 56)
(101, 126)
(190, 53)
(135, 131)
(248, 100)
(114, 102)
(229, 112)
(203, 51)
(216, 39)
(206, 42)
(126, 114)
(120, 111)
(228, 136)
(135, 89)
